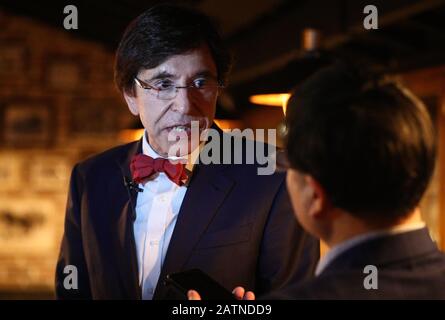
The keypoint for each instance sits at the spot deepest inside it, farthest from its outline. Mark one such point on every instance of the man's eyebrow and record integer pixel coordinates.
(166, 75)
(206, 74)
(161, 75)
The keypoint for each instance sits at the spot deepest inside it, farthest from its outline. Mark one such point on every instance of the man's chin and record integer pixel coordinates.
(182, 148)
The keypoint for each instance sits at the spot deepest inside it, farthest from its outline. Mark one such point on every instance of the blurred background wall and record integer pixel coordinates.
(58, 105)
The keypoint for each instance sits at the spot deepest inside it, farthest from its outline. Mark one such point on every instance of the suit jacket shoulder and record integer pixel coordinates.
(110, 157)
(408, 265)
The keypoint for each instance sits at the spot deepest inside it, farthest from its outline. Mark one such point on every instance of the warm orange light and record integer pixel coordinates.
(228, 124)
(274, 99)
(130, 135)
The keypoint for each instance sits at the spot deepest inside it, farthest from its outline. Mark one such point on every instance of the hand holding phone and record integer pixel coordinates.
(195, 279)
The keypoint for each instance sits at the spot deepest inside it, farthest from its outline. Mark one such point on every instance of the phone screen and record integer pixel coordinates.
(195, 279)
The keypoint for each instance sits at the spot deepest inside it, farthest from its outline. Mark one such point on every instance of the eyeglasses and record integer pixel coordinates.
(165, 89)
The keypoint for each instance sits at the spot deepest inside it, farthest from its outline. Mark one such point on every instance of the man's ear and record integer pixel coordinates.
(319, 201)
(132, 103)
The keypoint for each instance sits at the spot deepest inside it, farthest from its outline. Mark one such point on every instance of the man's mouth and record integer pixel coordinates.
(185, 127)
(179, 128)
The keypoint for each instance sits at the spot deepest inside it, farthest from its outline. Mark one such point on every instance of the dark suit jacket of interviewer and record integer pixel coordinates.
(409, 266)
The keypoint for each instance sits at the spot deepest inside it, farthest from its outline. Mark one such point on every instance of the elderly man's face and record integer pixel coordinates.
(161, 116)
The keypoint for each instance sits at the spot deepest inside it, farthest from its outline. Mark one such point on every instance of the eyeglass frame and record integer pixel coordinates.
(144, 85)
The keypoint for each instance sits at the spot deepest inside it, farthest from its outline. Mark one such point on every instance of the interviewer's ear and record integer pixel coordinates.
(318, 201)
(132, 103)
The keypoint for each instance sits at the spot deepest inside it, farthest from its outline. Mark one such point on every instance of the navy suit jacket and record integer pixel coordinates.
(409, 266)
(233, 224)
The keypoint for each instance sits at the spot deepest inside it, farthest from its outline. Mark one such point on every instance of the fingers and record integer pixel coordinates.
(193, 295)
(238, 292)
(249, 295)
(241, 294)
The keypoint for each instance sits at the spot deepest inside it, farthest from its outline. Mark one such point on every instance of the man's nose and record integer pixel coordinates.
(184, 101)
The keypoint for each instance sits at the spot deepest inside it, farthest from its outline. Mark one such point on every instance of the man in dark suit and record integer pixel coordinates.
(360, 157)
(143, 210)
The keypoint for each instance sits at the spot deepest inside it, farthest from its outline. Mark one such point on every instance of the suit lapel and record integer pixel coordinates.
(206, 192)
(125, 247)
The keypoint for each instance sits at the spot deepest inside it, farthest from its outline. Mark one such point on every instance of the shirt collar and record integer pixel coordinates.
(338, 249)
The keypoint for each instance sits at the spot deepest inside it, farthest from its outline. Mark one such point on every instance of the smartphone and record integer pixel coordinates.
(195, 279)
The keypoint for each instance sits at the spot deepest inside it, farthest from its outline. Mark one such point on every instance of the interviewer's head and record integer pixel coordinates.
(356, 148)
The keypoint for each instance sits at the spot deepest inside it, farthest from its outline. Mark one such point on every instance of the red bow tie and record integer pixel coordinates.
(143, 167)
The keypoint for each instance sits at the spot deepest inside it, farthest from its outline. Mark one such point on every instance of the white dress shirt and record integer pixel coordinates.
(157, 209)
(344, 246)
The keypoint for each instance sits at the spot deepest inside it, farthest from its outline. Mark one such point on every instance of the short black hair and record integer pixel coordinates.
(162, 31)
(370, 144)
